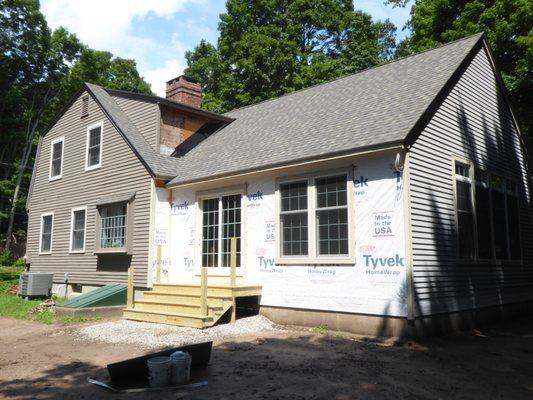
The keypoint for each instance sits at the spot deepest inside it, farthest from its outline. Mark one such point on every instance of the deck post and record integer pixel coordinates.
(233, 278)
(158, 265)
(233, 261)
(203, 294)
(130, 293)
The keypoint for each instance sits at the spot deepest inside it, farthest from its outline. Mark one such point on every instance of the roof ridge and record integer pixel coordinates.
(480, 34)
(163, 100)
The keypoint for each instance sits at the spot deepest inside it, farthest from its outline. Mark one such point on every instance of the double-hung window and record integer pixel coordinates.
(332, 216)
(56, 159)
(294, 218)
(77, 230)
(93, 157)
(113, 226)
(45, 240)
(315, 220)
(221, 221)
(487, 210)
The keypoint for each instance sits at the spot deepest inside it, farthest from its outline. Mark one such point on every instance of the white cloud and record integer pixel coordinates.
(158, 76)
(110, 25)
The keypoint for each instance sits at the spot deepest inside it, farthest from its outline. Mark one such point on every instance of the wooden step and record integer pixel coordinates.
(193, 289)
(166, 306)
(171, 318)
(212, 290)
(191, 299)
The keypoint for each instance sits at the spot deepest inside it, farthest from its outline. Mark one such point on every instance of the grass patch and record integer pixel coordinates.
(321, 329)
(16, 307)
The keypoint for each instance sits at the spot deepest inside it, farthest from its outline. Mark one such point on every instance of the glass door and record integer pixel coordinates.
(221, 220)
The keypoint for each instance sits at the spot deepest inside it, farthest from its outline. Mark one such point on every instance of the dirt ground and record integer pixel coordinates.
(46, 362)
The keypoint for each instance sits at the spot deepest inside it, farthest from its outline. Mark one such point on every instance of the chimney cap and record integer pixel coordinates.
(183, 77)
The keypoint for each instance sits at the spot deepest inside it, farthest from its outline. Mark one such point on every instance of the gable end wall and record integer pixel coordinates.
(121, 172)
(473, 123)
(144, 115)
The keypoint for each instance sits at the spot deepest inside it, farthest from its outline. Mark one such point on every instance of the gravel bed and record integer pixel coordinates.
(150, 335)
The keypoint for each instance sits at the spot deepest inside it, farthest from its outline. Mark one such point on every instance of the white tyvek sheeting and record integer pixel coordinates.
(375, 285)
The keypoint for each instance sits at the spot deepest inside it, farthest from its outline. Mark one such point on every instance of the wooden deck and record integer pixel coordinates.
(194, 305)
(182, 304)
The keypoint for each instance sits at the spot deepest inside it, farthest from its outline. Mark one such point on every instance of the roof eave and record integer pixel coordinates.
(397, 144)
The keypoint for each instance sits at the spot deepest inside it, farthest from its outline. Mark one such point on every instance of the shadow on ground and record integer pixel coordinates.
(493, 364)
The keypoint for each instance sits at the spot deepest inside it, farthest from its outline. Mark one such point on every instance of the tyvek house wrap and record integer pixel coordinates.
(376, 284)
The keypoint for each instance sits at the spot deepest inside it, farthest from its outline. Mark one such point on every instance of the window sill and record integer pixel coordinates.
(341, 261)
(49, 253)
(93, 167)
(118, 250)
(76, 252)
(55, 178)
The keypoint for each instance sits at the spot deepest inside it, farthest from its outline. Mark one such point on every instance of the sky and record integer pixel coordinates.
(157, 33)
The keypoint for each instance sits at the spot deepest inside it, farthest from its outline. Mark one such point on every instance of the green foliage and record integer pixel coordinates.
(16, 307)
(508, 25)
(271, 47)
(6, 258)
(321, 329)
(40, 71)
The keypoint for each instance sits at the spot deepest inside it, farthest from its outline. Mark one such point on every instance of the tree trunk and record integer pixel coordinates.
(33, 122)
(13, 210)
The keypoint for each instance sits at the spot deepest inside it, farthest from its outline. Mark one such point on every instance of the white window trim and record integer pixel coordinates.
(219, 193)
(96, 166)
(471, 179)
(313, 257)
(51, 234)
(62, 140)
(84, 208)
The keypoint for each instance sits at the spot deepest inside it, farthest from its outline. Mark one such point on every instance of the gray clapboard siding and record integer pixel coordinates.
(121, 172)
(474, 123)
(144, 115)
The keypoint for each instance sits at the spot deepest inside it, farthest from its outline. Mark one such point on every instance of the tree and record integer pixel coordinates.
(508, 26)
(270, 47)
(40, 71)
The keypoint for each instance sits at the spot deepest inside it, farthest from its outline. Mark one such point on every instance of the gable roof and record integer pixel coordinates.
(375, 108)
(157, 164)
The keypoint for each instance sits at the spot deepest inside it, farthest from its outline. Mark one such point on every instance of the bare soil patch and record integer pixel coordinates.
(50, 362)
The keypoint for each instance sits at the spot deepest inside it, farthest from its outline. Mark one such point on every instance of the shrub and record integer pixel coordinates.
(6, 258)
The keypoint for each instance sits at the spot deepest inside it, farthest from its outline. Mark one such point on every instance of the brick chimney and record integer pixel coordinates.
(184, 89)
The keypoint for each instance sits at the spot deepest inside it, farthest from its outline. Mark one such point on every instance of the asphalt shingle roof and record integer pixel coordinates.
(375, 107)
(160, 165)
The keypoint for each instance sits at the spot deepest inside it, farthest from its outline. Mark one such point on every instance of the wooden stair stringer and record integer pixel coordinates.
(227, 303)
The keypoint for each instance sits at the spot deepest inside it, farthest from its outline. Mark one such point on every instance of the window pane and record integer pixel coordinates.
(462, 169)
(331, 191)
(293, 196)
(46, 233)
(483, 222)
(95, 137)
(78, 230)
(333, 232)
(294, 234)
(465, 220)
(210, 233)
(231, 227)
(513, 218)
(113, 226)
(57, 154)
(500, 230)
(463, 196)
